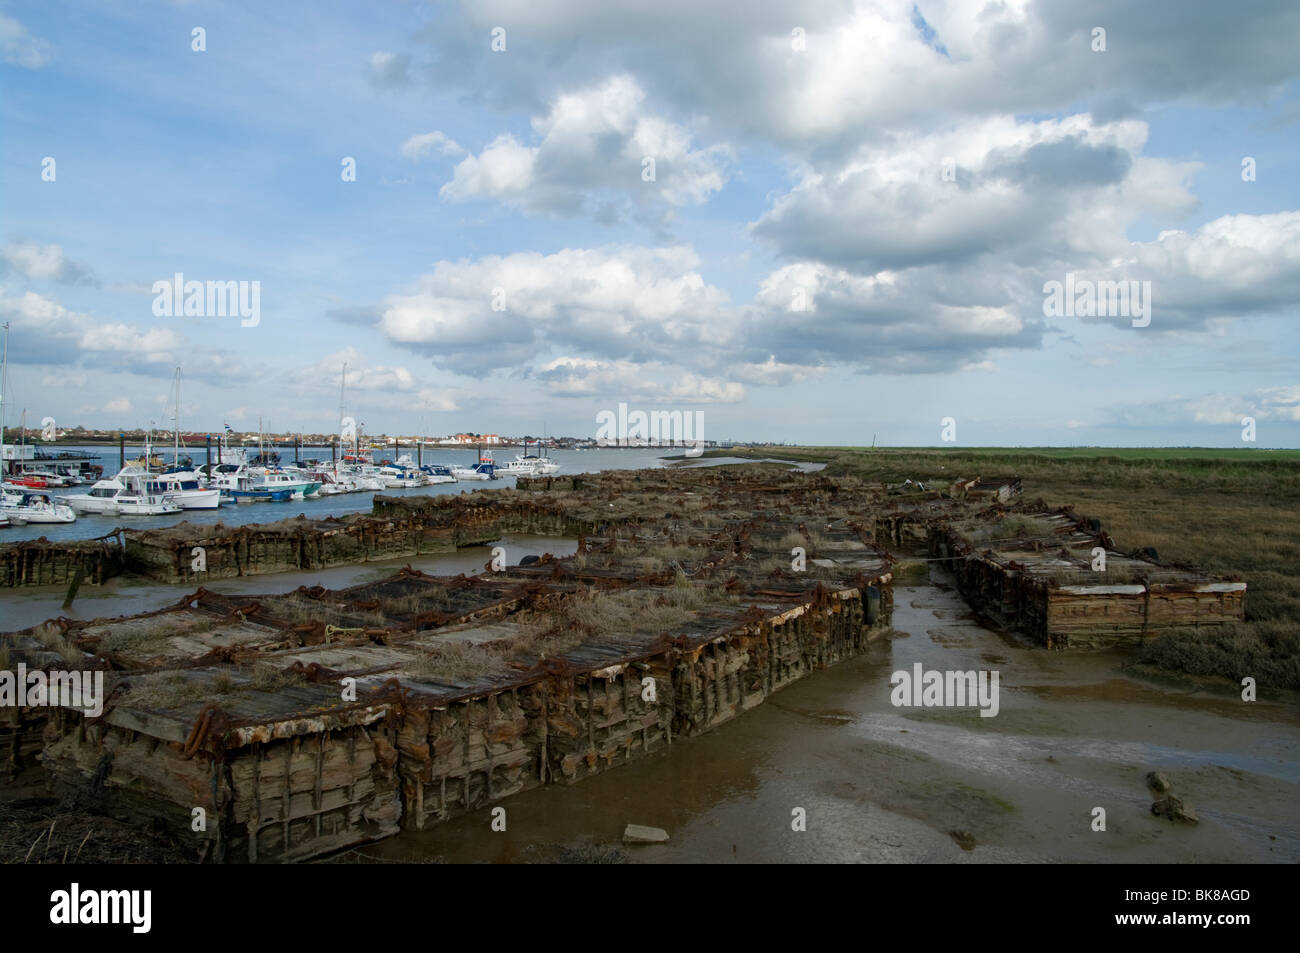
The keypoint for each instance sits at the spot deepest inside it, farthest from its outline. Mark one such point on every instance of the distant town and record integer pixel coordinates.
(75, 436)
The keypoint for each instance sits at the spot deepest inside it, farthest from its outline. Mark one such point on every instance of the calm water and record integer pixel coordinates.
(91, 526)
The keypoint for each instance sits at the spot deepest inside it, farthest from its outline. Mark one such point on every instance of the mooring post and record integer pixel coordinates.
(209, 449)
(73, 587)
(121, 452)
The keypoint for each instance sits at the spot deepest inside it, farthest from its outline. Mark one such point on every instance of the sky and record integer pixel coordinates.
(816, 221)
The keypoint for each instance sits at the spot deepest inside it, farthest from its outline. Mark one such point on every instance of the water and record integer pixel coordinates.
(90, 526)
(128, 595)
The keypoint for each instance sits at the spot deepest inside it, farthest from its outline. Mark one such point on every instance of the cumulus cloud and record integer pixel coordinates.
(1232, 267)
(652, 382)
(620, 302)
(1064, 188)
(44, 263)
(594, 145)
(47, 333)
(876, 64)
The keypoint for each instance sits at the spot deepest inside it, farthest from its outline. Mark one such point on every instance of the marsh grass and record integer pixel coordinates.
(1232, 513)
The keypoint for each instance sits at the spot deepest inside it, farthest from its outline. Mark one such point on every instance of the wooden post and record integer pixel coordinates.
(72, 589)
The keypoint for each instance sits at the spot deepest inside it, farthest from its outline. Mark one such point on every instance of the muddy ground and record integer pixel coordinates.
(1075, 731)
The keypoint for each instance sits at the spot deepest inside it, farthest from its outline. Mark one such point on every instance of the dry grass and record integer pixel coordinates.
(167, 691)
(1231, 515)
(457, 661)
(51, 636)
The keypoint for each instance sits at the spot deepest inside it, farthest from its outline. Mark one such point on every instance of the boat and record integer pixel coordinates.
(133, 492)
(180, 483)
(21, 506)
(485, 469)
(185, 487)
(248, 485)
(398, 477)
(100, 501)
(435, 473)
(241, 485)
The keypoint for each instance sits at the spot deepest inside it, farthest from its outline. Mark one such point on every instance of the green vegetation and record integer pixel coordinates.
(1229, 512)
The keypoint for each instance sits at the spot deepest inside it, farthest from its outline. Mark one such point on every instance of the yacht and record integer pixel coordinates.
(434, 474)
(20, 506)
(185, 487)
(101, 500)
(485, 469)
(398, 477)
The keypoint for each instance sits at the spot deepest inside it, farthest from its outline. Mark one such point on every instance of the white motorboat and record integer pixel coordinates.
(435, 474)
(21, 506)
(485, 469)
(185, 487)
(101, 500)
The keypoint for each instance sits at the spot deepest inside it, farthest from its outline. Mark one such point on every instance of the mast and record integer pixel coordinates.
(4, 381)
(176, 421)
(343, 382)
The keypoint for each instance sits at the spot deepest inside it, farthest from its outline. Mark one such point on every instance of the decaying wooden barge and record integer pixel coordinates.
(39, 562)
(299, 724)
(284, 727)
(1059, 579)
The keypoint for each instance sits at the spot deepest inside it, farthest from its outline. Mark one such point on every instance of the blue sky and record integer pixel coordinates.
(780, 172)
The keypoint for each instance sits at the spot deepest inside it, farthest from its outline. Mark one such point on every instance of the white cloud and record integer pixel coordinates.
(594, 143)
(43, 263)
(20, 48)
(430, 143)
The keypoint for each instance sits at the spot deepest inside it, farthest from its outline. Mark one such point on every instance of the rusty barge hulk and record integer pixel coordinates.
(304, 723)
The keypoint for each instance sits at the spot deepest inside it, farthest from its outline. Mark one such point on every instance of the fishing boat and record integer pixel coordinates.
(21, 506)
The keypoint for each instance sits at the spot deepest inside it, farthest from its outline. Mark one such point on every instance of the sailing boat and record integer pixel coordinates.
(180, 483)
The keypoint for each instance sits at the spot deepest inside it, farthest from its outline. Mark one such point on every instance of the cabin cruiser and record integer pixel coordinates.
(434, 474)
(101, 500)
(399, 477)
(185, 487)
(485, 469)
(20, 506)
(133, 492)
(247, 485)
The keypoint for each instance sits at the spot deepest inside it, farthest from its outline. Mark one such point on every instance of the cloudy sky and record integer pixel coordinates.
(822, 221)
